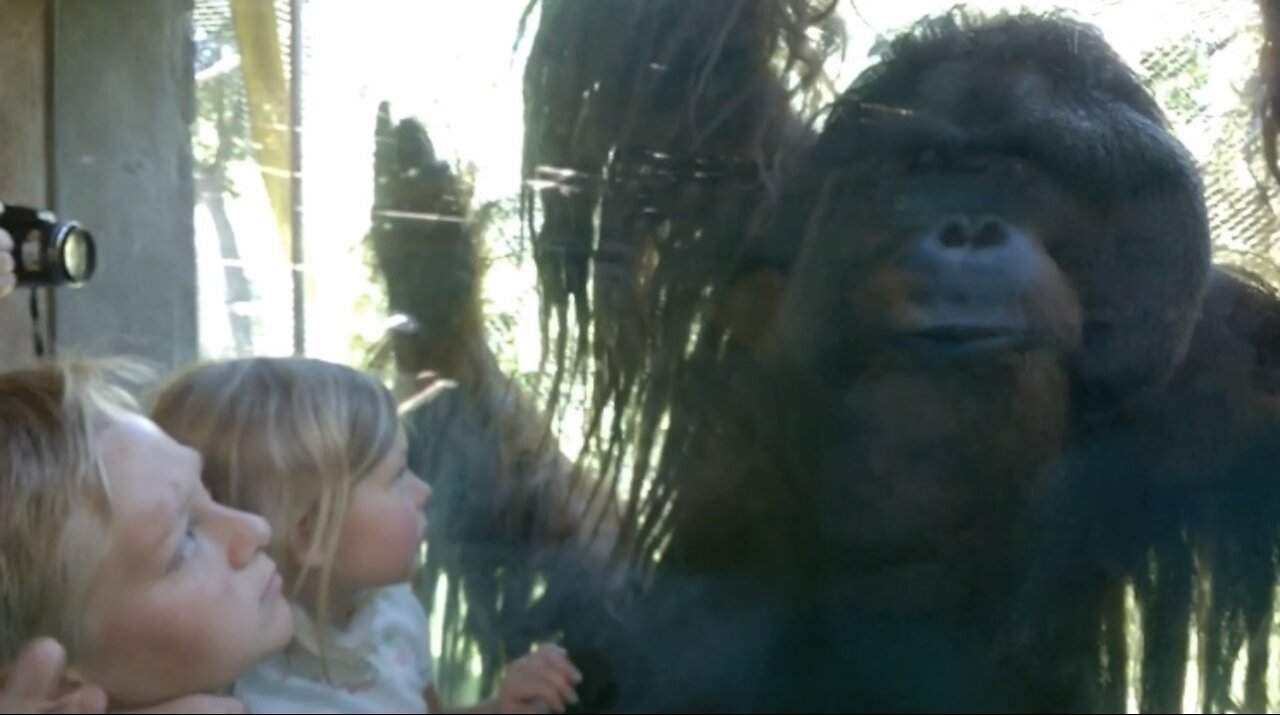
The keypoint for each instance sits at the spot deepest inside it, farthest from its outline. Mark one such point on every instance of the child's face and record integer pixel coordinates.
(184, 599)
(384, 525)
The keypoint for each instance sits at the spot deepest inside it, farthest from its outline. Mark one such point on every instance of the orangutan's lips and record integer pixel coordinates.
(966, 339)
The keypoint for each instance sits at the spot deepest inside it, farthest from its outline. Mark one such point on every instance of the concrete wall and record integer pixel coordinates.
(123, 105)
(23, 97)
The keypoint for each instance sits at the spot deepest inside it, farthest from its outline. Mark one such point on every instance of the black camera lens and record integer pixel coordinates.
(46, 251)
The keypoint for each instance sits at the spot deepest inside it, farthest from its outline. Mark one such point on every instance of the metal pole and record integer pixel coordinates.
(295, 174)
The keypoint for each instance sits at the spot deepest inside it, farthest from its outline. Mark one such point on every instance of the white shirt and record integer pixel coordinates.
(380, 664)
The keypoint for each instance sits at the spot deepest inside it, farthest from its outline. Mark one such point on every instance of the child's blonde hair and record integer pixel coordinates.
(285, 438)
(54, 494)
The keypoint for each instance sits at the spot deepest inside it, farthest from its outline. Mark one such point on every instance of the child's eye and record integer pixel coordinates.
(186, 548)
(402, 482)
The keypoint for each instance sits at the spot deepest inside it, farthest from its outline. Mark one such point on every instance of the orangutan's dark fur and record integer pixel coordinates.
(508, 512)
(842, 524)
(818, 520)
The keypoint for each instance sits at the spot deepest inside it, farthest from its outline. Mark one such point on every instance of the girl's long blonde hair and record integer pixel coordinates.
(286, 438)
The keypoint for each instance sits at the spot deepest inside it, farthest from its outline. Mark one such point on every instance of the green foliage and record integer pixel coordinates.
(221, 129)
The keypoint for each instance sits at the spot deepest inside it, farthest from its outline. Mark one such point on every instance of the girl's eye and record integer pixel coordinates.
(186, 548)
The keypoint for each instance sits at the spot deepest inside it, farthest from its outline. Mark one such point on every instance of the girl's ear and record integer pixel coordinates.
(304, 548)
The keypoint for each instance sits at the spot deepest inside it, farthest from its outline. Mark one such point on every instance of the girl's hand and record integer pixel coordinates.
(540, 682)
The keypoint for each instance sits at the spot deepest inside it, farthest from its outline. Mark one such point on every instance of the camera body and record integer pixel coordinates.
(46, 251)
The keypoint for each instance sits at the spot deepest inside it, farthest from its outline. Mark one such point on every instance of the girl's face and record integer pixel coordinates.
(183, 599)
(384, 525)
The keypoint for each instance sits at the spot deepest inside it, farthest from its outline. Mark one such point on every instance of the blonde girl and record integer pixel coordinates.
(317, 449)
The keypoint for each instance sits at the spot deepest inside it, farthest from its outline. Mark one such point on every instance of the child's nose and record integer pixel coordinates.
(423, 494)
